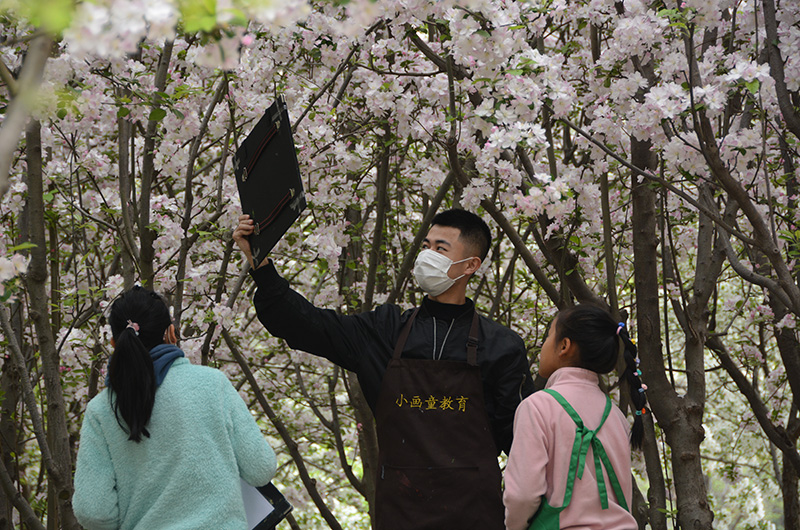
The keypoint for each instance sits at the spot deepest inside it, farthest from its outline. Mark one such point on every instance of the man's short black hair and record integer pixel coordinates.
(474, 231)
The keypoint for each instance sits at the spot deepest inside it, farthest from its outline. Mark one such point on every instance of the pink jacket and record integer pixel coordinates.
(540, 454)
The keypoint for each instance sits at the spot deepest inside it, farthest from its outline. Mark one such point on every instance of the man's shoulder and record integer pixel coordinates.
(499, 330)
(389, 311)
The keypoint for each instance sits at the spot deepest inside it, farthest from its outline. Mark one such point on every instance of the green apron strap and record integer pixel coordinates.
(576, 448)
(612, 477)
(580, 447)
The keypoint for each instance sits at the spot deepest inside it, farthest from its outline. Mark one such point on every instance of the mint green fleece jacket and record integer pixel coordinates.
(186, 474)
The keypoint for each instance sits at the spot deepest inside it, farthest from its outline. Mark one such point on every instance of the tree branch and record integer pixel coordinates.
(17, 112)
(146, 234)
(337, 435)
(776, 434)
(291, 445)
(413, 248)
(790, 115)
(188, 199)
(27, 516)
(28, 394)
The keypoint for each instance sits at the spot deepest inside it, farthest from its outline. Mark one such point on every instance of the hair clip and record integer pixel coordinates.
(620, 326)
(134, 326)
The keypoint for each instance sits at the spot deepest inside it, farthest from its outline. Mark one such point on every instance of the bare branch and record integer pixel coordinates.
(327, 85)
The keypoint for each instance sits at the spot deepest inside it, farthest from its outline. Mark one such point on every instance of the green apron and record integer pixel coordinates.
(547, 517)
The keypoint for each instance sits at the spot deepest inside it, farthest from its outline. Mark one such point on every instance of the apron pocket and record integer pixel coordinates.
(428, 497)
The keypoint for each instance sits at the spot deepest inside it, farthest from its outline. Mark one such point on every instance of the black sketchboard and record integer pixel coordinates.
(273, 502)
(268, 178)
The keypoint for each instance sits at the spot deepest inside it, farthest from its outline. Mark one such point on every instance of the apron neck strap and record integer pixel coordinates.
(472, 341)
(401, 340)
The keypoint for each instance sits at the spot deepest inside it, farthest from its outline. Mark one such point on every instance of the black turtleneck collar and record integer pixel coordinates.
(447, 311)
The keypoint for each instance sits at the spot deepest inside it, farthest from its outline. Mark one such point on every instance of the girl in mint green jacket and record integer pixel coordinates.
(164, 445)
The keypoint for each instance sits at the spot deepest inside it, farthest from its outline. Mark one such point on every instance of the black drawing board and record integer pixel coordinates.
(268, 178)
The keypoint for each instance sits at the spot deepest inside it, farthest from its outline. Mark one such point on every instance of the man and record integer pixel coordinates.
(442, 381)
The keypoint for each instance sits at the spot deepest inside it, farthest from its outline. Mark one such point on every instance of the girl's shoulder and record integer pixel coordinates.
(99, 403)
(540, 402)
(186, 367)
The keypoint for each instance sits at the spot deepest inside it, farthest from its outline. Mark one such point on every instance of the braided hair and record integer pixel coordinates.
(600, 340)
(138, 320)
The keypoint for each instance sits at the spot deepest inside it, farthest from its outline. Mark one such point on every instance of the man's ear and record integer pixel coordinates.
(473, 265)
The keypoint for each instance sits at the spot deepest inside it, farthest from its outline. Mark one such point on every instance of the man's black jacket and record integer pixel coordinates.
(364, 343)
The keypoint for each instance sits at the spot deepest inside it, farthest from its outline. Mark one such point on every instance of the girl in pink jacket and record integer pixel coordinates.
(570, 462)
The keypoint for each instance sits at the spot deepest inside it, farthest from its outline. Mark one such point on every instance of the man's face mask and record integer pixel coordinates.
(430, 270)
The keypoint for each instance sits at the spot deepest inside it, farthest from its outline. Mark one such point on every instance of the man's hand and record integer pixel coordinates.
(245, 228)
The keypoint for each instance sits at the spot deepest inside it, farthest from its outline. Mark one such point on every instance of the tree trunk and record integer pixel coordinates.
(648, 325)
(789, 480)
(9, 386)
(40, 315)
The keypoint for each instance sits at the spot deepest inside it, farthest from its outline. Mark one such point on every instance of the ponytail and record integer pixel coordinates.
(600, 341)
(138, 321)
(632, 375)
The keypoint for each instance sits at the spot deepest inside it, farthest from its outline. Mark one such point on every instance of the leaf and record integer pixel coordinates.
(753, 86)
(515, 71)
(157, 114)
(22, 246)
(123, 111)
(199, 15)
(52, 15)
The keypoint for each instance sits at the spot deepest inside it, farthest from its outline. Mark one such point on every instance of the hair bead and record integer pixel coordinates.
(134, 326)
(620, 327)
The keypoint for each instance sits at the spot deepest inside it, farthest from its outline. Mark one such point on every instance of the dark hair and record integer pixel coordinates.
(474, 231)
(599, 339)
(130, 371)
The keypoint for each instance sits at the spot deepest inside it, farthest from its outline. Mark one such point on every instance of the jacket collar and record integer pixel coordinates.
(447, 311)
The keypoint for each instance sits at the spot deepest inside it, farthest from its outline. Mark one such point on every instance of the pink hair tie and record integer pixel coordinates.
(620, 326)
(134, 326)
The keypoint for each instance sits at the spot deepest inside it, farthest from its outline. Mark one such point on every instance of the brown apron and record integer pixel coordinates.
(438, 460)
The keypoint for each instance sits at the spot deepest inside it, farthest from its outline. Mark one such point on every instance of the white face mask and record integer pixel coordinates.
(430, 270)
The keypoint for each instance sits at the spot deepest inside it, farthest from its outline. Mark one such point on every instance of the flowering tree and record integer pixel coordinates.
(636, 155)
